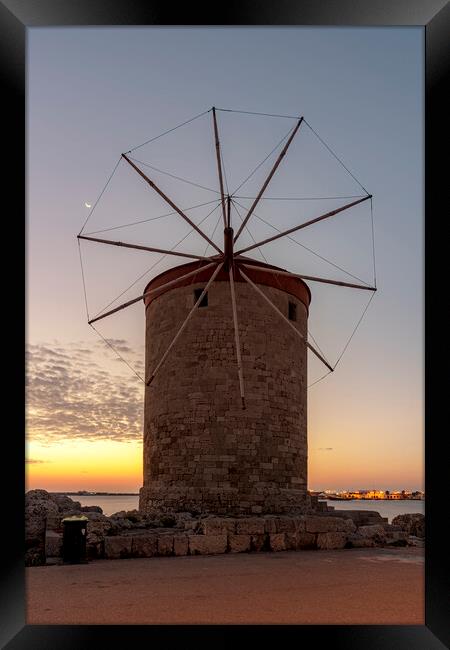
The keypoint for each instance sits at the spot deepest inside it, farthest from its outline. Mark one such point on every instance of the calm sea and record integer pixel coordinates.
(109, 504)
(389, 509)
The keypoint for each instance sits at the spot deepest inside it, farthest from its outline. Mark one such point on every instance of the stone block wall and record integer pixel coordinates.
(132, 534)
(202, 452)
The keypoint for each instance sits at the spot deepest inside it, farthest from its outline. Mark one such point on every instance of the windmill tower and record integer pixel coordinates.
(225, 418)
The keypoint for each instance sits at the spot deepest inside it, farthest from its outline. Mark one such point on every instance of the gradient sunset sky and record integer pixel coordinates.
(94, 93)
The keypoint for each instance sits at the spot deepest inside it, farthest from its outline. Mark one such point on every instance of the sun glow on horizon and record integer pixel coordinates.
(113, 466)
(101, 465)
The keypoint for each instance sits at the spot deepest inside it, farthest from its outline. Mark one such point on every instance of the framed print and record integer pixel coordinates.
(100, 73)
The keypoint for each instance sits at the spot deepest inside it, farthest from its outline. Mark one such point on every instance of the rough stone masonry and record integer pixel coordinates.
(202, 451)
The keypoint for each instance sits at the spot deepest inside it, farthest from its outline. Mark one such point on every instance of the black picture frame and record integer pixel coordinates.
(16, 16)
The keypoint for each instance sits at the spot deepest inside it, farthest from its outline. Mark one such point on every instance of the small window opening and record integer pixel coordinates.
(197, 294)
(292, 312)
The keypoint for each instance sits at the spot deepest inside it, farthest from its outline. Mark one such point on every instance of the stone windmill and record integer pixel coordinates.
(225, 427)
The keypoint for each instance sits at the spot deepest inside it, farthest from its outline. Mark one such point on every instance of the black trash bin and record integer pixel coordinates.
(74, 539)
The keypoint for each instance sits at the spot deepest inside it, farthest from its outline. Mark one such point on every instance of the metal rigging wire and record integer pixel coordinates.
(158, 261)
(335, 155)
(262, 162)
(355, 277)
(136, 223)
(169, 131)
(101, 194)
(235, 203)
(359, 321)
(229, 110)
(356, 327)
(178, 178)
(117, 353)
(299, 198)
(140, 277)
(277, 278)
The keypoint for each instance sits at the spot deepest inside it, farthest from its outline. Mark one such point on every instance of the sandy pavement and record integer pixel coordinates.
(354, 586)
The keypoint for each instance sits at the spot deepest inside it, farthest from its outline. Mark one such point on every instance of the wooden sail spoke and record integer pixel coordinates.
(219, 166)
(303, 225)
(275, 308)
(236, 337)
(268, 179)
(171, 203)
(310, 277)
(155, 290)
(144, 248)
(180, 331)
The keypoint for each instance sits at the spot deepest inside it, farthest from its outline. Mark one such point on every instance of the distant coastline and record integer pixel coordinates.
(322, 495)
(83, 493)
(369, 495)
(331, 498)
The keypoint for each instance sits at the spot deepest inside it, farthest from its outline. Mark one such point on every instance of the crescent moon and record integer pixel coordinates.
(88, 205)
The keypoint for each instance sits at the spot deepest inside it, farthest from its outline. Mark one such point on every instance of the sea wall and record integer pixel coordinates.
(134, 534)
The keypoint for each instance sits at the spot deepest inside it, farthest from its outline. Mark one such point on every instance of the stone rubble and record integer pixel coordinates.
(134, 534)
(412, 524)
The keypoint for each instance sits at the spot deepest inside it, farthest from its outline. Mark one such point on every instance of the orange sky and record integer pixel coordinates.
(93, 466)
(117, 466)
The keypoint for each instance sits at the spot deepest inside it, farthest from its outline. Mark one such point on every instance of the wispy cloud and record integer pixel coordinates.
(72, 392)
(34, 461)
(325, 448)
(119, 344)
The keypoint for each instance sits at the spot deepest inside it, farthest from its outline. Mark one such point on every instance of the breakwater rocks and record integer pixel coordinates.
(134, 534)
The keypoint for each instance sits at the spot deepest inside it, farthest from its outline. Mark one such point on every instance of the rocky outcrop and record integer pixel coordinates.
(38, 507)
(359, 517)
(65, 504)
(331, 540)
(91, 509)
(44, 513)
(412, 524)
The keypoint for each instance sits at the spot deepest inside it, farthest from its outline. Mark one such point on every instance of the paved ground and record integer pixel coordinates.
(354, 586)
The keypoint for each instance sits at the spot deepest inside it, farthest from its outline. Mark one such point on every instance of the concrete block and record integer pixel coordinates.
(207, 544)
(118, 546)
(165, 544)
(144, 546)
(357, 541)
(316, 524)
(239, 543)
(374, 531)
(306, 541)
(300, 541)
(349, 526)
(216, 526)
(180, 544)
(285, 525)
(277, 541)
(270, 525)
(250, 526)
(300, 524)
(331, 540)
(257, 542)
